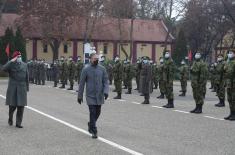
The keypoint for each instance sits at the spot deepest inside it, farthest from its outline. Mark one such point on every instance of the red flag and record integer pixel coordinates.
(8, 50)
(190, 55)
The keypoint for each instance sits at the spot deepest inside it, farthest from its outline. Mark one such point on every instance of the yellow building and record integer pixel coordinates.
(148, 40)
(226, 44)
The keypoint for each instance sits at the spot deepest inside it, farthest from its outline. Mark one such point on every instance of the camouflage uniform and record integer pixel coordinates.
(161, 82)
(79, 67)
(168, 77)
(155, 76)
(63, 73)
(220, 83)
(55, 74)
(184, 72)
(71, 73)
(145, 82)
(118, 75)
(230, 81)
(129, 71)
(198, 76)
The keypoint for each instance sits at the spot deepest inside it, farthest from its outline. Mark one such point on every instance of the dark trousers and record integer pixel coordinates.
(94, 115)
(19, 114)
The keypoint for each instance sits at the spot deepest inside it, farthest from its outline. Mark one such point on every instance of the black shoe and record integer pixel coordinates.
(228, 117)
(71, 88)
(114, 91)
(62, 87)
(180, 91)
(10, 122)
(118, 97)
(161, 96)
(193, 111)
(141, 94)
(94, 136)
(183, 94)
(199, 109)
(232, 117)
(89, 128)
(220, 104)
(136, 89)
(145, 102)
(128, 92)
(170, 104)
(19, 126)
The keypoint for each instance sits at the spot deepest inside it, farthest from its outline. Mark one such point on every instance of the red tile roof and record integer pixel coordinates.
(104, 29)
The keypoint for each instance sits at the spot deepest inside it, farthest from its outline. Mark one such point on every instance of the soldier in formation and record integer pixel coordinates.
(184, 72)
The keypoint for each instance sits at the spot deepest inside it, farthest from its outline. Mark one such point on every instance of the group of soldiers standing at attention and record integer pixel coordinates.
(149, 76)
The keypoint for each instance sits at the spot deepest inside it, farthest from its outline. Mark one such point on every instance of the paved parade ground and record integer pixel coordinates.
(55, 124)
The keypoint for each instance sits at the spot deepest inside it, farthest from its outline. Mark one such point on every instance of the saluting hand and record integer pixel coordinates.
(14, 59)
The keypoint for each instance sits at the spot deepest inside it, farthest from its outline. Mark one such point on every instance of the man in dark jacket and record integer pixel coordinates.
(18, 86)
(97, 87)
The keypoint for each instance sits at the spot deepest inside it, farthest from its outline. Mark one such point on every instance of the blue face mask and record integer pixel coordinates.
(145, 61)
(19, 59)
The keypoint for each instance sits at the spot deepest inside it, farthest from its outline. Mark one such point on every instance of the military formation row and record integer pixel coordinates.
(150, 76)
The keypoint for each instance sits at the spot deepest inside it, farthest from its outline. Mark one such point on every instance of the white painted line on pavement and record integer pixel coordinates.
(181, 111)
(115, 145)
(122, 100)
(157, 107)
(135, 102)
(2, 96)
(214, 118)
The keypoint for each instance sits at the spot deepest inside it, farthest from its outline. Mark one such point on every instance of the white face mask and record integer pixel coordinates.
(161, 61)
(19, 59)
(167, 55)
(197, 56)
(116, 59)
(151, 62)
(145, 61)
(219, 59)
(230, 55)
(182, 63)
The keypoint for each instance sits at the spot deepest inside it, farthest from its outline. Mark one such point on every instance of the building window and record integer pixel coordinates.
(105, 48)
(45, 48)
(65, 48)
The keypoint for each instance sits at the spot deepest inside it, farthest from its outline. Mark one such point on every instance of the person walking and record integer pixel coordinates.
(95, 77)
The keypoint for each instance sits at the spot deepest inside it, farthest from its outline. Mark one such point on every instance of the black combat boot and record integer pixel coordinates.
(183, 94)
(71, 88)
(180, 91)
(193, 111)
(146, 102)
(125, 87)
(199, 109)
(170, 104)
(161, 96)
(221, 103)
(114, 90)
(129, 91)
(62, 87)
(119, 96)
(55, 84)
(10, 122)
(232, 117)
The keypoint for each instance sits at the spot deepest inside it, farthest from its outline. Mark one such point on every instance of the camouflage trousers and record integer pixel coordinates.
(137, 81)
(162, 87)
(231, 98)
(183, 85)
(220, 91)
(71, 81)
(155, 81)
(118, 85)
(198, 94)
(169, 90)
(129, 83)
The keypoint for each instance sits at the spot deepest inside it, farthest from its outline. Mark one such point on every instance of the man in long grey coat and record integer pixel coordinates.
(97, 87)
(18, 86)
